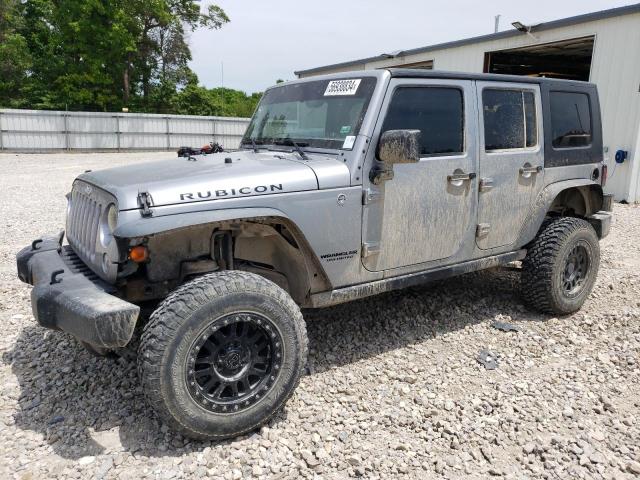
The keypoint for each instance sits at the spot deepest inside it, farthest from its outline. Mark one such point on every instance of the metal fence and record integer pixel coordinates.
(41, 131)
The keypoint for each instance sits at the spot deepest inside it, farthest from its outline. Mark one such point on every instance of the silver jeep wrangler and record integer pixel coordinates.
(345, 186)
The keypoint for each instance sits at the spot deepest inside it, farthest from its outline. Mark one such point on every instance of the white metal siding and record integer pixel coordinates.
(615, 69)
(36, 130)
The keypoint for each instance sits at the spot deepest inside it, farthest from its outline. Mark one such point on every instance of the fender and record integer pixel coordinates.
(544, 201)
(161, 224)
(165, 224)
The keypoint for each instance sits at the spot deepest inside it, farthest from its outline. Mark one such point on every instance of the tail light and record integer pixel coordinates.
(603, 176)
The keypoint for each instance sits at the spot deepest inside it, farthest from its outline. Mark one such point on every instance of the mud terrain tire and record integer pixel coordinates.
(561, 266)
(209, 326)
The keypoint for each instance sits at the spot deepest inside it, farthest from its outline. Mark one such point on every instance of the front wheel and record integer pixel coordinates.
(222, 354)
(561, 266)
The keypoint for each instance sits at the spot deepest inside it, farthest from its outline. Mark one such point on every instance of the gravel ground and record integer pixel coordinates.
(394, 388)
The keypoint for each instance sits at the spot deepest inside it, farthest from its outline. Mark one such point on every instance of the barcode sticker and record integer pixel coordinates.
(349, 142)
(342, 87)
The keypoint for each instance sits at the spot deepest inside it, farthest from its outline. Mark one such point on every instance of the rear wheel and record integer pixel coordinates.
(222, 354)
(561, 266)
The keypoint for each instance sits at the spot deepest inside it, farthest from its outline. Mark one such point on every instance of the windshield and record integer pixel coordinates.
(322, 114)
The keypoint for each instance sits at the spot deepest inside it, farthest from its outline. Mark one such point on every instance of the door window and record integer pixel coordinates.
(570, 119)
(509, 119)
(437, 112)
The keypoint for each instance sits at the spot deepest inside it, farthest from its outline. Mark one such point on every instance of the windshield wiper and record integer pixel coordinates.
(254, 145)
(296, 146)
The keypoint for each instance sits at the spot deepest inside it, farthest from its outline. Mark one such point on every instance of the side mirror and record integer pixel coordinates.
(395, 146)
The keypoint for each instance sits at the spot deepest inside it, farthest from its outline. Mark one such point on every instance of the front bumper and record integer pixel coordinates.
(64, 298)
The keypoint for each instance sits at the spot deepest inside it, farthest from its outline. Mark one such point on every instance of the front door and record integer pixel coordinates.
(424, 213)
(511, 159)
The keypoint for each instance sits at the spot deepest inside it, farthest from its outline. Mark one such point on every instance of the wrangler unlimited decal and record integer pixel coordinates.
(334, 257)
(232, 192)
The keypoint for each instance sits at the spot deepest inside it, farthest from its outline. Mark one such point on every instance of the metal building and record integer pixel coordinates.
(601, 47)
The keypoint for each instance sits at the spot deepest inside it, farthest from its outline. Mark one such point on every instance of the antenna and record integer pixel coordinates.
(221, 89)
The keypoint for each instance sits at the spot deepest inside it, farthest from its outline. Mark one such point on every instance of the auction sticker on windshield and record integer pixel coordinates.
(342, 87)
(349, 142)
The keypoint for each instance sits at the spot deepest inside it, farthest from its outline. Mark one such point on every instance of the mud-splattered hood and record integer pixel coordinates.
(214, 177)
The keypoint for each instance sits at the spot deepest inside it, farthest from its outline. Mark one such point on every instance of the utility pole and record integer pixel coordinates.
(497, 23)
(222, 85)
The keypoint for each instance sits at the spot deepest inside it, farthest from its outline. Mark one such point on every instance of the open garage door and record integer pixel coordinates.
(569, 59)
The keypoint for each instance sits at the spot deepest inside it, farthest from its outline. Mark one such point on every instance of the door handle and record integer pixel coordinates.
(528, 170)
(460, 177)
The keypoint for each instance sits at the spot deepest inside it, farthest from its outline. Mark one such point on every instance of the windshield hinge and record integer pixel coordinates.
(379, 174)
(144, 202)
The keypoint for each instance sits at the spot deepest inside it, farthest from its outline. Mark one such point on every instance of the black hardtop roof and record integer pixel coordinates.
(492, 77)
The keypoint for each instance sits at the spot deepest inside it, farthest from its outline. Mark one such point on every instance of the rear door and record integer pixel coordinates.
(511, 159)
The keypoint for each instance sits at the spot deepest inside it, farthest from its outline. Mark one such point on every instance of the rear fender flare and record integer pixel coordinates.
(545, 200)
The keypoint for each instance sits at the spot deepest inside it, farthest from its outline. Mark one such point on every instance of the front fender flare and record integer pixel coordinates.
(148, 226)
(143, 227)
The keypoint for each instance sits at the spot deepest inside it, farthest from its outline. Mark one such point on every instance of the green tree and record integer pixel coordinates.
(76, 47)
(161, 51)
(15, 59)
(197, 100)
(104, 55)
(97, 54)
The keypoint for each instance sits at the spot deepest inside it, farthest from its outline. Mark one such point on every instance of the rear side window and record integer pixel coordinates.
(570, 119)
(438, 113)
(509, 119)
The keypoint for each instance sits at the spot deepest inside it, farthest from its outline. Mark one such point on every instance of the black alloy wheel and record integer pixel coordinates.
(576, 270)
(561, 266)
(234, 362)
(222, 354)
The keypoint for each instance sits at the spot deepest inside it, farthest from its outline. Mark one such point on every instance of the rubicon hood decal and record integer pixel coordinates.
(232, 192)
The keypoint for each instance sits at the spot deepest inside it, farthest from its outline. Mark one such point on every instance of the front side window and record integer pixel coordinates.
(438, 112)
(509, 119)
(570, 119)
(318, 114)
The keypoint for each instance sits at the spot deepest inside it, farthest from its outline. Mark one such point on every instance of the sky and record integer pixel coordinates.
(267, 40)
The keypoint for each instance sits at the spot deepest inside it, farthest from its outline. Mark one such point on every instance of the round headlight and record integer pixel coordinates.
(108, 224)
(112, 217)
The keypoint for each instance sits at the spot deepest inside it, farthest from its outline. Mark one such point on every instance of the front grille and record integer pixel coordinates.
(83, 224)
(87, 206)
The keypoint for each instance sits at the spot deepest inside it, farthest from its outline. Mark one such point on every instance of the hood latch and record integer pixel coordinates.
(144, 202)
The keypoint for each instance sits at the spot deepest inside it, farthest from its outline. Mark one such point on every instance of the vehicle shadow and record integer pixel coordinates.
(364, 328)
(83, 405)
